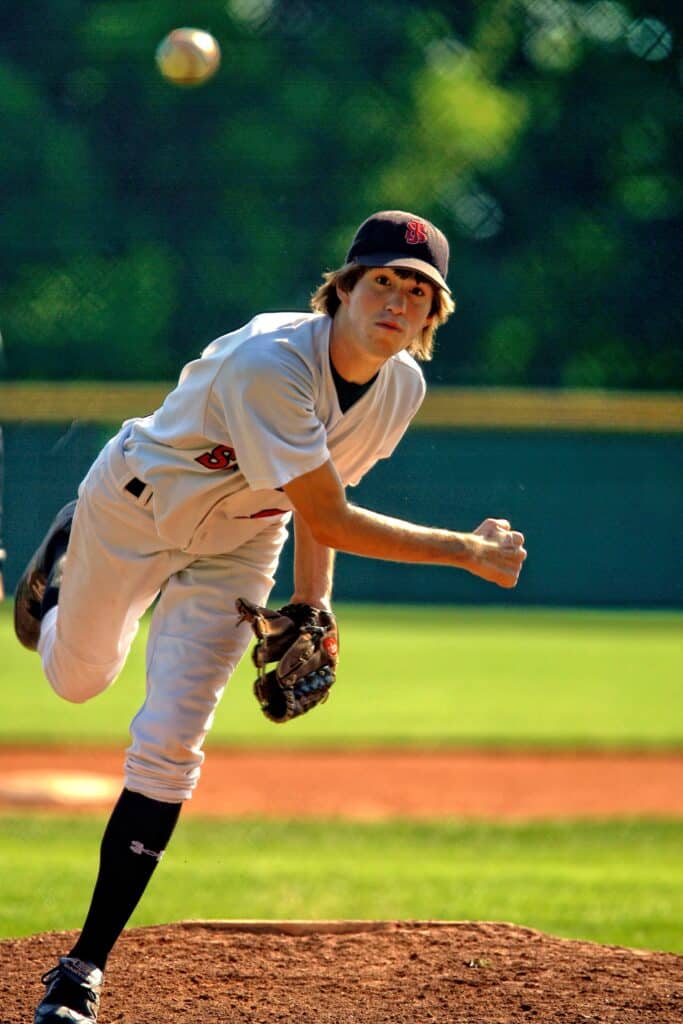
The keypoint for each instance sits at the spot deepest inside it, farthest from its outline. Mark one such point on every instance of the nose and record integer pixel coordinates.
(396, 300)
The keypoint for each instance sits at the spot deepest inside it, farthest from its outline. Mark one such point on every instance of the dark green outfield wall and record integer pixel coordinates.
(601, 512)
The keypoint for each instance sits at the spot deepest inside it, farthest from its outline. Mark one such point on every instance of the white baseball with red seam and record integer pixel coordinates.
(188, 56)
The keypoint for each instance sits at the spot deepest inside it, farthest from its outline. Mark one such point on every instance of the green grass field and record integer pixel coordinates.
(618, 883)
(421, 677)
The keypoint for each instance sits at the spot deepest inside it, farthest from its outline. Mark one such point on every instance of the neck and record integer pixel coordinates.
(348, 358)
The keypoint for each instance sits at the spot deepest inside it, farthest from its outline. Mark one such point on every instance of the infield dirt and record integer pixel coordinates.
(373, 785)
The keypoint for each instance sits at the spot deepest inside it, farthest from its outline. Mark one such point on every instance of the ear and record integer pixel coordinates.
(342, 295)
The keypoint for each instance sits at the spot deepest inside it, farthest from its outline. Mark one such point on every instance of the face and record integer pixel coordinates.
(386, 311)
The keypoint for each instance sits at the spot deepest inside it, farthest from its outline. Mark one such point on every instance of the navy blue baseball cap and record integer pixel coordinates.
(394, 238)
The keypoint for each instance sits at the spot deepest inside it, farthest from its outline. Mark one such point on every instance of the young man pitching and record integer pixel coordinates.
(189, 507)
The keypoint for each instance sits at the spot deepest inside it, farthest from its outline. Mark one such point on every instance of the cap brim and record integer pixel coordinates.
(388, 259)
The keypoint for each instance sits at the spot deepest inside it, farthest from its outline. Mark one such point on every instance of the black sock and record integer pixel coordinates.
(132, 845)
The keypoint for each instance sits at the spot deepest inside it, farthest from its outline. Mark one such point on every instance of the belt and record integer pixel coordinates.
(135, 487)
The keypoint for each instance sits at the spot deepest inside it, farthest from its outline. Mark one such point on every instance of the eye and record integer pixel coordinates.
(382, 279)
(418, 290)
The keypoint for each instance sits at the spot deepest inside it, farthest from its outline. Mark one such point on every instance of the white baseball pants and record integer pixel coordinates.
(117, 565)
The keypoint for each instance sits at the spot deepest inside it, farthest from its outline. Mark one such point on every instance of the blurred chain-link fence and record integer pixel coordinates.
(140, 219)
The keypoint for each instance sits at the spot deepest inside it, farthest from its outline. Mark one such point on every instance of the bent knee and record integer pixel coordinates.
(75, 681)
(77, 691)
(73, 694)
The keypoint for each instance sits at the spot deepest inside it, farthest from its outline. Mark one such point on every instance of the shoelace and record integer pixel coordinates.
(55, 979)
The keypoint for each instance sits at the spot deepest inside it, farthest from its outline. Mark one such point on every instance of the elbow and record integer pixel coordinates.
(328, 528)
(325, 533)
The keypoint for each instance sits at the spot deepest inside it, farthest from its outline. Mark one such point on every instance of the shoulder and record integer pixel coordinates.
(291, 324)
(407, 373)
(270, 350)
(269, 335)
(298, 332)
(404, 386)
(297, 344)
(260, 329)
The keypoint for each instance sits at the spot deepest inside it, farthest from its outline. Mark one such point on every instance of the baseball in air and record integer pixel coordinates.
(188, 56)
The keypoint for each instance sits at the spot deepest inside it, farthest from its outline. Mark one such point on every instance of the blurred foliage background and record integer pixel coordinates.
(140, 220)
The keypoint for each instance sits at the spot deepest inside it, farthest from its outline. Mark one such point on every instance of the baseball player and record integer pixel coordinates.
(189, 507)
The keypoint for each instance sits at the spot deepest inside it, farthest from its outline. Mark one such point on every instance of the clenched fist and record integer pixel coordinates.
(497, 552)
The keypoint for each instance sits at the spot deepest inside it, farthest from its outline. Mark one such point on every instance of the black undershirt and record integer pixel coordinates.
(347, 391)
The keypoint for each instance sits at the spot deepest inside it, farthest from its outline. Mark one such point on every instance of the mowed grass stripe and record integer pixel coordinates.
(424, 676)
(613, 883)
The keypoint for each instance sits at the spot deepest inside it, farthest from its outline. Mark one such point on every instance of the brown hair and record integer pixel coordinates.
(326, 300)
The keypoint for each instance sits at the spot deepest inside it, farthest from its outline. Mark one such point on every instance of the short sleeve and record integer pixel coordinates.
(267, 394)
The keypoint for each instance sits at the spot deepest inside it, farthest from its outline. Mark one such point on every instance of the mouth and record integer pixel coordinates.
(389, 325)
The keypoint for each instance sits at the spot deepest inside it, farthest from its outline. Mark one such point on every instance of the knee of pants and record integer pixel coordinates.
(73, 679)
(185, 683)
(165, 758)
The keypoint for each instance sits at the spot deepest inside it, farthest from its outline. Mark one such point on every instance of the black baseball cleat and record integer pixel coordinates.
(28, 597)
(73, 993)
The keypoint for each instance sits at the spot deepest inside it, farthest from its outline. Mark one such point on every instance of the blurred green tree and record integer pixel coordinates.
(140, 219)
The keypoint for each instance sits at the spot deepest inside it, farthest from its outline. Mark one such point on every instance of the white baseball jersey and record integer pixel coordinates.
(258, 409)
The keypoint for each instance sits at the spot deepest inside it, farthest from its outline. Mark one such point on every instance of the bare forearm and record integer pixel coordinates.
(313, 567)
(360, 531)
(493, 551)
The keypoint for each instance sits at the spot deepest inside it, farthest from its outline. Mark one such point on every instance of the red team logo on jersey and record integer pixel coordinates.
(220, 457)
(223, 457)
(416, 232)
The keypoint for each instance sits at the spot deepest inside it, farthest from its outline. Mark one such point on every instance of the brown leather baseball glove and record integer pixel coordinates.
(303, 640)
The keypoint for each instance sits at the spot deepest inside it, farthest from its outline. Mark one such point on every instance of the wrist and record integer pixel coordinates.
(466, 550)
(315, 600)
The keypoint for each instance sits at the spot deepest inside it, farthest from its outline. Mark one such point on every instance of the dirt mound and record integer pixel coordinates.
(396, 973)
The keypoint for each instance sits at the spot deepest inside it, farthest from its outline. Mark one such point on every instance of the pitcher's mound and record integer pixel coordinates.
(358, 973)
